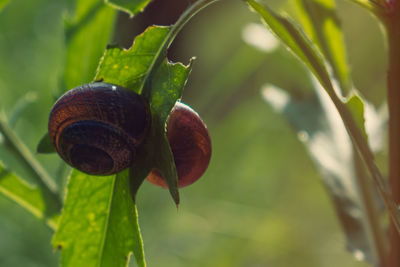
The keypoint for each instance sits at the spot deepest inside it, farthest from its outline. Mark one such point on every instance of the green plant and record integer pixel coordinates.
(102, 211)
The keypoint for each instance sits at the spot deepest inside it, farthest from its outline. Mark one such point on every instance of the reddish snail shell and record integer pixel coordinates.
(190, 144)
(96, 127)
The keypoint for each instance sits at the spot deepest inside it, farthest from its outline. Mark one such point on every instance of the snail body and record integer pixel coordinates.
(96, 127)
(190, 143)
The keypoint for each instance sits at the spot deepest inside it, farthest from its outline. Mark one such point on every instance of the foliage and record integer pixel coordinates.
(102, 211)
(96, 210)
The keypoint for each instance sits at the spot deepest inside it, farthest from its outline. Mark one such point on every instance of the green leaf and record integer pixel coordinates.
(137, 69)
(296, 41)
(87, 35)
(130, 67)
(356, 107)
(319, 126)
(101, 203)
(27, 196)
(3, 3)
(167, 86)
(132, 7)
(290, 35)
(99, 225)
(34, 169)
(155, 153)
(45, 145)
(321, 23)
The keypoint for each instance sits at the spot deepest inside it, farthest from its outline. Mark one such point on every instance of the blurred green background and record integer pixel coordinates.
(260, 203)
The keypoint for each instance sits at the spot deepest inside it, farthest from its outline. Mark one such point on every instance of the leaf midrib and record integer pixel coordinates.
(107, 222)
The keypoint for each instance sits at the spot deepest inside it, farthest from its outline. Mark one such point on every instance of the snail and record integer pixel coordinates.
(97, 127)
(190, 144)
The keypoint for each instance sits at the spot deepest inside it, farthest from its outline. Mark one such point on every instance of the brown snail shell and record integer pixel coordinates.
(96, 127)
(190, 144)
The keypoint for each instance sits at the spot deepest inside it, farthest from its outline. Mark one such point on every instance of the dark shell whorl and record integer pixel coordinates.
(96, 127)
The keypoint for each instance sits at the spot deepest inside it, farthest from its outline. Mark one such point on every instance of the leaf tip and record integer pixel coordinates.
(45, 145)
(175, 197)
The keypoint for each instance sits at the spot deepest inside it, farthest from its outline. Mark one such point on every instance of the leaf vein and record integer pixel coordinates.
(107, 221)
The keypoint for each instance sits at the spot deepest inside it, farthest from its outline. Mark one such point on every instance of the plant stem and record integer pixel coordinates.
(372, 213)
(44, 181)
(377, 7)
(175, 29)
(393, 32)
